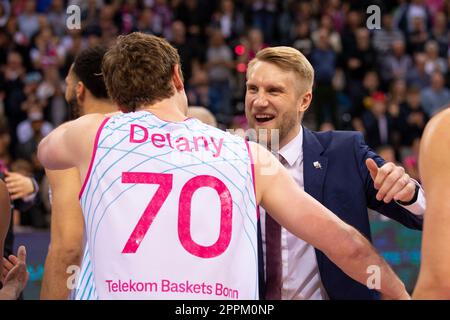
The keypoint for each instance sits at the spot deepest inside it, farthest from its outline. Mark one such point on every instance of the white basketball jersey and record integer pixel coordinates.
(170, 212)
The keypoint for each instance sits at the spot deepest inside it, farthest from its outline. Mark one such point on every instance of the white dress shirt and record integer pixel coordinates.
(300, 272)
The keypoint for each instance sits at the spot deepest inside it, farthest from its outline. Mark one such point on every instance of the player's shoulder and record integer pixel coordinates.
(440, 121)
(89, 120)
(339, 138)
(437, 132)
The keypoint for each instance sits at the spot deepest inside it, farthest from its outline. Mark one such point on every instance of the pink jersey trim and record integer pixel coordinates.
(88, 174)
(253, 176)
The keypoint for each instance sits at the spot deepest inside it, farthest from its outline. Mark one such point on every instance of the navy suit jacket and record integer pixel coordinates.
(344, 185)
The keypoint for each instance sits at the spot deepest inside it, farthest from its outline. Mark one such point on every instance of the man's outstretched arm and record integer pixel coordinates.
(66, 245)
(434, 162)
(306, 218)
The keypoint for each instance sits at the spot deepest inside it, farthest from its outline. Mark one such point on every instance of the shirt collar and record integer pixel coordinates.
(294, 149)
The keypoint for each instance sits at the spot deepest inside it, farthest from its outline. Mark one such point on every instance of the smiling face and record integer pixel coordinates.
(275, 99)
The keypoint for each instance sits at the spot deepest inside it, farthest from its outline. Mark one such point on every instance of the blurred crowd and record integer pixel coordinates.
(386, 82)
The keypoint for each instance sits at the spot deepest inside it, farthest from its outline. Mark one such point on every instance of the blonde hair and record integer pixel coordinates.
(288, 59)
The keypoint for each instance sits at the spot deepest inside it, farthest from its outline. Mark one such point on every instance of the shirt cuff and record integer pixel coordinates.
(417, 208)
(32, 196)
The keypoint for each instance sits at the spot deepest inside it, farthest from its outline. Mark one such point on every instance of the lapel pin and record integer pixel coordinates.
(317, 165)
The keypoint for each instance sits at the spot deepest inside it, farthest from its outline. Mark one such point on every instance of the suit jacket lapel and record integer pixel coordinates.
(313, 180)
(313, 177)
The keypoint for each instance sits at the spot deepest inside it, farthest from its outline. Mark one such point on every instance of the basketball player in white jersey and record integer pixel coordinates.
(86, 93)
(434, 276)
(170, 203)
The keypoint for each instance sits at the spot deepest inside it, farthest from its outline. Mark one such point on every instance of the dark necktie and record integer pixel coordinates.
(273, 255)
(273, 259)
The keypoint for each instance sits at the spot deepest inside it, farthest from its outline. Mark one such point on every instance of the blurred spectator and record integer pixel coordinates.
(31, 130)
(5, 140)
(333, 36)
(29, 19)
(219, 63)
(364, 101)
(359, 59)
(90, 14)
(193, 17)
(5, 11)
(109, 29)
(198, 89)
(264, 16)
(378, 124)
(14, 74)
(335, 11)
(255, 43)
(57, 17)
(436, 96)
(384, 37)
(412, 119)
(410, 10)
(22, 186)
(434, 6)
(397, 92)
(146, 22)
(47, 50)
(440, 32)
(434, 62)
(418, 35)
(51, 92)
(163, 18)
(396, 64)
(323, 59)
(353, 23)
(189, 51)
(417, 76)
(128, 16)
(302, 39)
(229, 21)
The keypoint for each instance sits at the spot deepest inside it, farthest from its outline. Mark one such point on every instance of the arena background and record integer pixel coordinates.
(389, 64)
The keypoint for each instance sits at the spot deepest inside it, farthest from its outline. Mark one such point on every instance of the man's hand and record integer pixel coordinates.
(15, 274)
(391, 181)
(19, 186)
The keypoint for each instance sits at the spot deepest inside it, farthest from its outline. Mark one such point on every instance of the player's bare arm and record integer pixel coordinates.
(434, 276)
(66, 247)
(309, 220)
(71, 144)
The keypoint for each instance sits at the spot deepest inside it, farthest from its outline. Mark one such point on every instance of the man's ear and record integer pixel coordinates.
(177, 77)
(304, 101)
(80, 91)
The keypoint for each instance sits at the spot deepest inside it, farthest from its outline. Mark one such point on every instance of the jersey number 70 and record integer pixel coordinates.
(165, 182)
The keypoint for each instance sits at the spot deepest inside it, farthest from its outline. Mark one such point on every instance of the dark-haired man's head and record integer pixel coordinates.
(141, 70)
(85, 80)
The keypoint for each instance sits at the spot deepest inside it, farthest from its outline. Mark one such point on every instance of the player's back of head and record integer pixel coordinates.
(87, 68)
(138, 70)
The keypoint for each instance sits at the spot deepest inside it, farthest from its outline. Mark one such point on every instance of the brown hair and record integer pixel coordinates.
(138, 70)
(288, 59)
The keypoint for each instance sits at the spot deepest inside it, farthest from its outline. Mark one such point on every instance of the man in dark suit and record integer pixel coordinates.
(337, 168)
